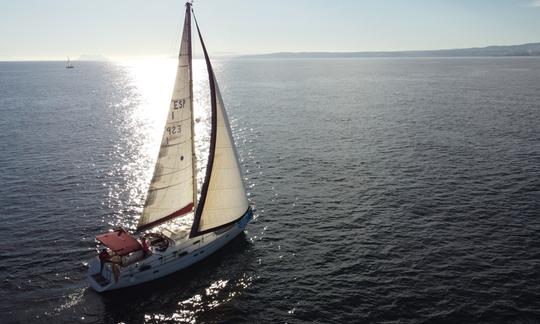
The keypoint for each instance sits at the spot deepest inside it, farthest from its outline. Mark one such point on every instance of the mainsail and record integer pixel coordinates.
(223, 196)
(172, 191)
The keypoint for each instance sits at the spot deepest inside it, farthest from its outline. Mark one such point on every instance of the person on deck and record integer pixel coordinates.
(145, 247)
(103, 257)
(116, 263)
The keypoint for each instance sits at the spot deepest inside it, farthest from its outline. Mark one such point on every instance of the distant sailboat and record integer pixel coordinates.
(220, 214)
(69, 65)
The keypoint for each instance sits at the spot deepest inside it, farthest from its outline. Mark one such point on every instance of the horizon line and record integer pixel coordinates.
(116, 58)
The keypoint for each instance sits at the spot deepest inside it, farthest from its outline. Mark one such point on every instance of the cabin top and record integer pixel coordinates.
(120, 241)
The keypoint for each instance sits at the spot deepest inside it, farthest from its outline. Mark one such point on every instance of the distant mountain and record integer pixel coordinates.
(531, 49)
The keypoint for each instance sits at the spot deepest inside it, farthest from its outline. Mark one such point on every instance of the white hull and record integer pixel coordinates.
(177, 257)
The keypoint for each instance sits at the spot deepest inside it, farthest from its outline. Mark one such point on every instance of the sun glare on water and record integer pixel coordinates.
(142, 116)
(153, 80)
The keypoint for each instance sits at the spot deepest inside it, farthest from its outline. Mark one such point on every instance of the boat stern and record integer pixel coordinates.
(99, 279)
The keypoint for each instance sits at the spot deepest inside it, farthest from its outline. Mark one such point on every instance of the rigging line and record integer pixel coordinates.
(192, 105)
(175, 144)
(166, 187)
(174, 41)
(172, 172)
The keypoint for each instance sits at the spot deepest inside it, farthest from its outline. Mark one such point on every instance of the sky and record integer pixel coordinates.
(55, 29)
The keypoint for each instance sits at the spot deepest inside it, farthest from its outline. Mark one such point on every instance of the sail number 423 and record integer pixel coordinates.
(173, 130)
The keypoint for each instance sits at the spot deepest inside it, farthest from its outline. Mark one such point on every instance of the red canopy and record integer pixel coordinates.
(120, 241)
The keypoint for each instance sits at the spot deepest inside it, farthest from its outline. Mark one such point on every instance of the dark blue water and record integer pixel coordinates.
(388, 190)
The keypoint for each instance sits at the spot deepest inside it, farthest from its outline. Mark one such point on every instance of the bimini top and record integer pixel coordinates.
(120, 241)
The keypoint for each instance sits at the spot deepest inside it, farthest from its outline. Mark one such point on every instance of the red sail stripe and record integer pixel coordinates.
(179, 212)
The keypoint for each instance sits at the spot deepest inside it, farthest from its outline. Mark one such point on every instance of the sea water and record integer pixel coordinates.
(387, 190)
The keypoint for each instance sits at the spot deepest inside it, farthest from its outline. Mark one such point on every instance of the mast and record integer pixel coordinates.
(211, 152)
(190, 60)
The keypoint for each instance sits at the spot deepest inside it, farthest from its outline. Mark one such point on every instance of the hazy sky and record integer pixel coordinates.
(125, 28)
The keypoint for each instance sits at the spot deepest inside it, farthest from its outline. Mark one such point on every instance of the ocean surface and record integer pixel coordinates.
(387, 191)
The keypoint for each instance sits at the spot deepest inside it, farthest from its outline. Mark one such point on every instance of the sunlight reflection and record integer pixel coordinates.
(154, 80)
(73, 299)
(146, 92)
(140, 119)
(218, 293)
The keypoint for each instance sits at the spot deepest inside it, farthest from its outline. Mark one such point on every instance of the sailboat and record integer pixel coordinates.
(69, 65)
(220, 213)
